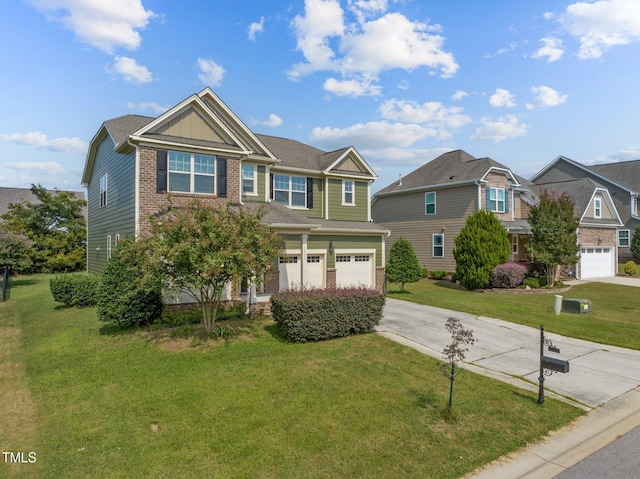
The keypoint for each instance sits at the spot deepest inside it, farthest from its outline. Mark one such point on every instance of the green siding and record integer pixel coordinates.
(118, 217)
(337, 211)
(261, 198)
(318, 199)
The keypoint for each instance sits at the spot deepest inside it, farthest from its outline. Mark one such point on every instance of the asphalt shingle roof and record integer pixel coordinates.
(123, 126)
(625, 173)
(581, 190)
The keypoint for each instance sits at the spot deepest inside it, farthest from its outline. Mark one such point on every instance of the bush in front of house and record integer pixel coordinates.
(74, 289)
(508, 275)
(438, 274)
(630, 268)
(127, 296)
(535, 282)
(317, 314)
(425, 272)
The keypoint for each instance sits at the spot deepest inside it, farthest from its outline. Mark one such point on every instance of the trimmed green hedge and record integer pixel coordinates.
(317, 314)
(74, 289)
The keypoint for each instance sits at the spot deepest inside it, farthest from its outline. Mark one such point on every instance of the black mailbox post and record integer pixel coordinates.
(548, 365)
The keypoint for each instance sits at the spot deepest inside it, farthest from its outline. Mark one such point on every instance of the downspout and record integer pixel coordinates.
(326, 197)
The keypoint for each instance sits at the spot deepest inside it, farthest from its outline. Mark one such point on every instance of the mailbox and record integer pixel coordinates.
(554, 364)
(574, 305)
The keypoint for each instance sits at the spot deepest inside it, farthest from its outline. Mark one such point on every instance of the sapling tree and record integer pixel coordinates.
(454, 352)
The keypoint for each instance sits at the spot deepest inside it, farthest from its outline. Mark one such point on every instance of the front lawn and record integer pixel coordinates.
(614, 319)
(93, 402)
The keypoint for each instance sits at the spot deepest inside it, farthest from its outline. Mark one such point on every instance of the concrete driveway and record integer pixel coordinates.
(511, 352)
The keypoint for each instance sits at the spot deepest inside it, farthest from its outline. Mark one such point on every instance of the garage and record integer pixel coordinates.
(597, 262)
(289, 266)
(354, 269)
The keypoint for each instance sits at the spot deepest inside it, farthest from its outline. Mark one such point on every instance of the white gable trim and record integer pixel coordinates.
(506, 171)
(608, 200)
(351, 150)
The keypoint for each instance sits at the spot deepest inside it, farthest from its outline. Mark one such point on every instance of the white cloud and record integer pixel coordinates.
(431, 113)
(630, 154)
(35, 139)
(273, 121)
(49, 168)
(502, 98)
(144, 106)
(552, 50)
(367, 46)
(504, 128)
(105, 25)
(131, 71)
(459, 95)
(602, 24)
(548, 97)
(372, 135)
(354, 87)
(211, 73)
(255, 28)
(548, 15)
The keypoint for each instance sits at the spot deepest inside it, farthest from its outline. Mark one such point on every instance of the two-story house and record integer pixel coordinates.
(430, 205)
(318, 201)
(622, 180)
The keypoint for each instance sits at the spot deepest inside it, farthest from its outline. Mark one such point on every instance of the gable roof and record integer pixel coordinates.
(449, 169)
(17, 195)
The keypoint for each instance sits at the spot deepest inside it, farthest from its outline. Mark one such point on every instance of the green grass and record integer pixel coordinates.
(91, 401)
(614, 319)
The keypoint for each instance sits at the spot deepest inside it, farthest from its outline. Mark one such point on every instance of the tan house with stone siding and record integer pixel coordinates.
(317, 200)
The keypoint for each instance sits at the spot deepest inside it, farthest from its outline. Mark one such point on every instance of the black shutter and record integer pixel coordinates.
(271, 185)
(222, 177)
(309, 193)
(161, 171)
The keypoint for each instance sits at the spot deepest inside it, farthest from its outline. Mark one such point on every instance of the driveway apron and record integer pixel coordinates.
(598, 373)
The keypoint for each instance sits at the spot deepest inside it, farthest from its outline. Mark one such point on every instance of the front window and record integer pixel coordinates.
(430, 203)
(347, 192)
(623, 238)
(290, 190)
(249, 180)
(191, 173)
(514, 244)
(103, 191)
(438, 246)
(597, 208)
(496, 200)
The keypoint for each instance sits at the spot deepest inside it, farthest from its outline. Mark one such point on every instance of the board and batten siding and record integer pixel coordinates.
(118, 216)
(404, 215)
(357, 212)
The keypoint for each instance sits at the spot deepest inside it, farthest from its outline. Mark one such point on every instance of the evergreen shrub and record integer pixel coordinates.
(438, 274)
(630, 268)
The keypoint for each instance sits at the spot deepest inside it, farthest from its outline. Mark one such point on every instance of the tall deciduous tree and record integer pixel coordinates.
(15, 252)
(403, 266)
(198, 249)
(482, 244)
(554, 227)
(56, 226)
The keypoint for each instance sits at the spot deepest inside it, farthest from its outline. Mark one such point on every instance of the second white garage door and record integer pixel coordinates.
(355, 269)
(597, 262)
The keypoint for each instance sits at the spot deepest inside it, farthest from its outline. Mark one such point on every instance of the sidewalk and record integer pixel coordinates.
(604, 380)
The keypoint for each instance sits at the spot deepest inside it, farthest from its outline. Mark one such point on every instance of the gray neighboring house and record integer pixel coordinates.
(17, 195)
(622, 180)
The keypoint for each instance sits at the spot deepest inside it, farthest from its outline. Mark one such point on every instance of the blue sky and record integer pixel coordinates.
(401, 80)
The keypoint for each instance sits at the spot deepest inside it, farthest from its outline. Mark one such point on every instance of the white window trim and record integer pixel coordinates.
(108, 246)
(597, 207)
(344, 193)
(434, 202)
(192, 173)
(290, 191)
(628, 239)
(255, 181)
(634, 206)
(497, 201)
(104, 191)
(433, 245)
(514, 244)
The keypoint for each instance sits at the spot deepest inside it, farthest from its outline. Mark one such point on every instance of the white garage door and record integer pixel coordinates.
(290, 271)
(354, 270)
(597, 262)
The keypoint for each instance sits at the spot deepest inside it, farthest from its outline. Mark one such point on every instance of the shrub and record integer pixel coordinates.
(508, 275)
(74, 289)
(630, 268)
(403, 266)
(535, 282)
(438, 274)
(312, 315)
(126, 295)
(425, 272)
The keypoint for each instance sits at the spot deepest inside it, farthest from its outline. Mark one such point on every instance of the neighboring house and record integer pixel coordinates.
(430, 205)
(18, 195)
(599, 222)
(318, 201)
(622, 180)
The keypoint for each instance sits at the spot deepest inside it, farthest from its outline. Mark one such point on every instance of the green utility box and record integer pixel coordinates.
(577, 306)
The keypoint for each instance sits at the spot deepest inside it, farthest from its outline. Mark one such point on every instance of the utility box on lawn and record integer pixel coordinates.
(577, 306)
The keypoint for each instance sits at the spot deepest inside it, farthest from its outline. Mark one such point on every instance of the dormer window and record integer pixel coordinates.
(597, 208)
(347, 193)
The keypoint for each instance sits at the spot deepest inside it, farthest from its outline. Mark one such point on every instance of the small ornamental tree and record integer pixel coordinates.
(553, 240)
(635, 244)
(456, 351)
(198, 250)
(482, 244)
(15, 252)
(403, 266)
